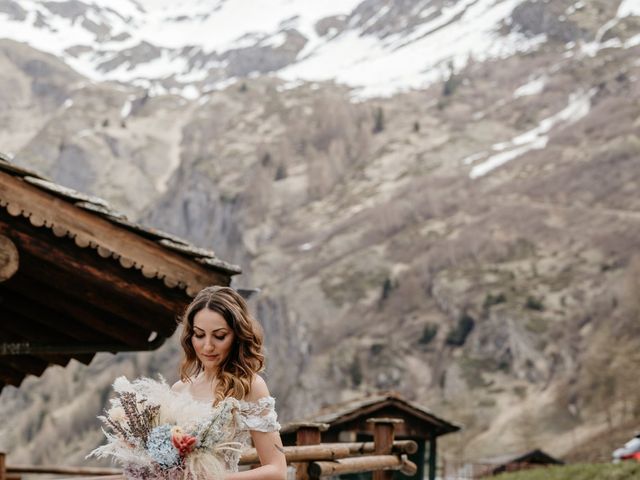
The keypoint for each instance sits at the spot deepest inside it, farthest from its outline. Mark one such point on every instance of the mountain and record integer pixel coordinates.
(194, 46)
(468, 238)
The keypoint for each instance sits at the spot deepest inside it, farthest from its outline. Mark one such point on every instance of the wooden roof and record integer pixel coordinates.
(352, 415)
(536, 456)
(77, 278)
(515, 461)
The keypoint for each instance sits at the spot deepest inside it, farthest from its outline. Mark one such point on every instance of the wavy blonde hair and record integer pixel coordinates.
(245, 359)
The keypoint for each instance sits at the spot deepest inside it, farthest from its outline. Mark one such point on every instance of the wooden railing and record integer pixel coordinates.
(311, 458)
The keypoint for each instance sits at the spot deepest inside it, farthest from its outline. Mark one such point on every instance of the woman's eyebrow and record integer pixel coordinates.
(213, 331)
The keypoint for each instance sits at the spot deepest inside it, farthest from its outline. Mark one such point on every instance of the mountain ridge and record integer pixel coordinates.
(195, 47)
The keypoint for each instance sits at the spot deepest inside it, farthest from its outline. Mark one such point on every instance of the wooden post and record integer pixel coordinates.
(3, 467)
(383, 436)
(307, 433)
(432, 457)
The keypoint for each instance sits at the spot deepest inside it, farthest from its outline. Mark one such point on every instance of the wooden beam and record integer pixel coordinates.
(9, 258)
(361, 448)
(102, 282)
(301, 454)
(91, 228)
(375, 463)
(328, 451)
(30, 329)
(80, 321)
(26, 364)
(33, 301)
(60, 470)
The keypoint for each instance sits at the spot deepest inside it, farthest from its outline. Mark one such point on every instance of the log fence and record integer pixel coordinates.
(311, 458)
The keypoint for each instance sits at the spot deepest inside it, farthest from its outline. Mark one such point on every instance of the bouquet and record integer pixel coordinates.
(154, 432)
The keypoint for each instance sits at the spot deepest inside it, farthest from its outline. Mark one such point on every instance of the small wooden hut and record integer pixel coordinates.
(517, 461)
(78, 278)
(348, 422)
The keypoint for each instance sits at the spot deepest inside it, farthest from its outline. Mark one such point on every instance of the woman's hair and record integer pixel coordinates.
(245, 358)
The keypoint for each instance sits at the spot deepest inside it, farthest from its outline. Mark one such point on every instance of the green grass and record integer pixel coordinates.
(602, 471)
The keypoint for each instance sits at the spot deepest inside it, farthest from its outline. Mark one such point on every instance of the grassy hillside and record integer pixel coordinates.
(602, 471)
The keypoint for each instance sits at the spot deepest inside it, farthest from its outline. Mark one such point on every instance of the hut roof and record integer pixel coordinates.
(533, 456)
(385, 403)
(77, 277)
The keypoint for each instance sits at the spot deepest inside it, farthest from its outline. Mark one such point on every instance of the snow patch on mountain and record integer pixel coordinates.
(536, 138)
(534, 87)
(628, 8)
(382, 67)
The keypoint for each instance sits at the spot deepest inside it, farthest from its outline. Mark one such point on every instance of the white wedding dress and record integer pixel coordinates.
(258, 416)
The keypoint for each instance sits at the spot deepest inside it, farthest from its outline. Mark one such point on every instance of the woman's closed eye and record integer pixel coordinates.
(216, 336)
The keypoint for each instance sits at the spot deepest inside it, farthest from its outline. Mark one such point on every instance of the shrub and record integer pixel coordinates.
(534, 303)
(490, 300)
(281, 172)
(266, 159)
(356, 372)
(458, 336)
(378, 120)
(451, 83)
(387, 286)
(428, 334)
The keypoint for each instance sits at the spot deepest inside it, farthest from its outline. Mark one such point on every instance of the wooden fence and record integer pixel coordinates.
(311, 458)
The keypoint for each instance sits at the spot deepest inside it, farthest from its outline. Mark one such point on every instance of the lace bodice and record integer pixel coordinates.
(257, 416)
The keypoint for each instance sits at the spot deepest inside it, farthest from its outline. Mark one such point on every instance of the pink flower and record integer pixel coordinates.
(183, 442)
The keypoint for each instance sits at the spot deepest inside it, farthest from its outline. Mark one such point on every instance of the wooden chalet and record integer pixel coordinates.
(516, 461)
(77, 278)
(349, 422)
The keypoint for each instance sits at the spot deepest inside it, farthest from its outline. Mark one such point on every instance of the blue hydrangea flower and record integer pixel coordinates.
(160, 447)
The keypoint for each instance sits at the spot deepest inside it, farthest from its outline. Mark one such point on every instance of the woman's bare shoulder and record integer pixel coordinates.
(258, 389)
(179, 386)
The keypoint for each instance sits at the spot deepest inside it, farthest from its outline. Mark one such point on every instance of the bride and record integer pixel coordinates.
(222, 346)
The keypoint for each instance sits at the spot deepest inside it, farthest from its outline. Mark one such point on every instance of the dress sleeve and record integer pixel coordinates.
(260, 416)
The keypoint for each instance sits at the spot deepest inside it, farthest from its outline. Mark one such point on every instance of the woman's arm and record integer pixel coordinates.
(273, 465)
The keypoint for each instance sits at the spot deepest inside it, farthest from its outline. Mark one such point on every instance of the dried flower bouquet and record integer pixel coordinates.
(154, 432)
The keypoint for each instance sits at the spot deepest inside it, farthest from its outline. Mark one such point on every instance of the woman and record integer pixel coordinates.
(222, 346)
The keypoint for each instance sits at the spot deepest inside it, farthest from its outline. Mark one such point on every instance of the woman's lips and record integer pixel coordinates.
(210, 357)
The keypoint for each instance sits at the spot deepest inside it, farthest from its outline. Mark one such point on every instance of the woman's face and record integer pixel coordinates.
(212, 339)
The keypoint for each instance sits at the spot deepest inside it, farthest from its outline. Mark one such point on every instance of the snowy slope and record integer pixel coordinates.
(174, 44)
(377, 45)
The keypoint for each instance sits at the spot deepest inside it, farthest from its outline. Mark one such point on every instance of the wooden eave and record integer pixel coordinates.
(88, 280)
